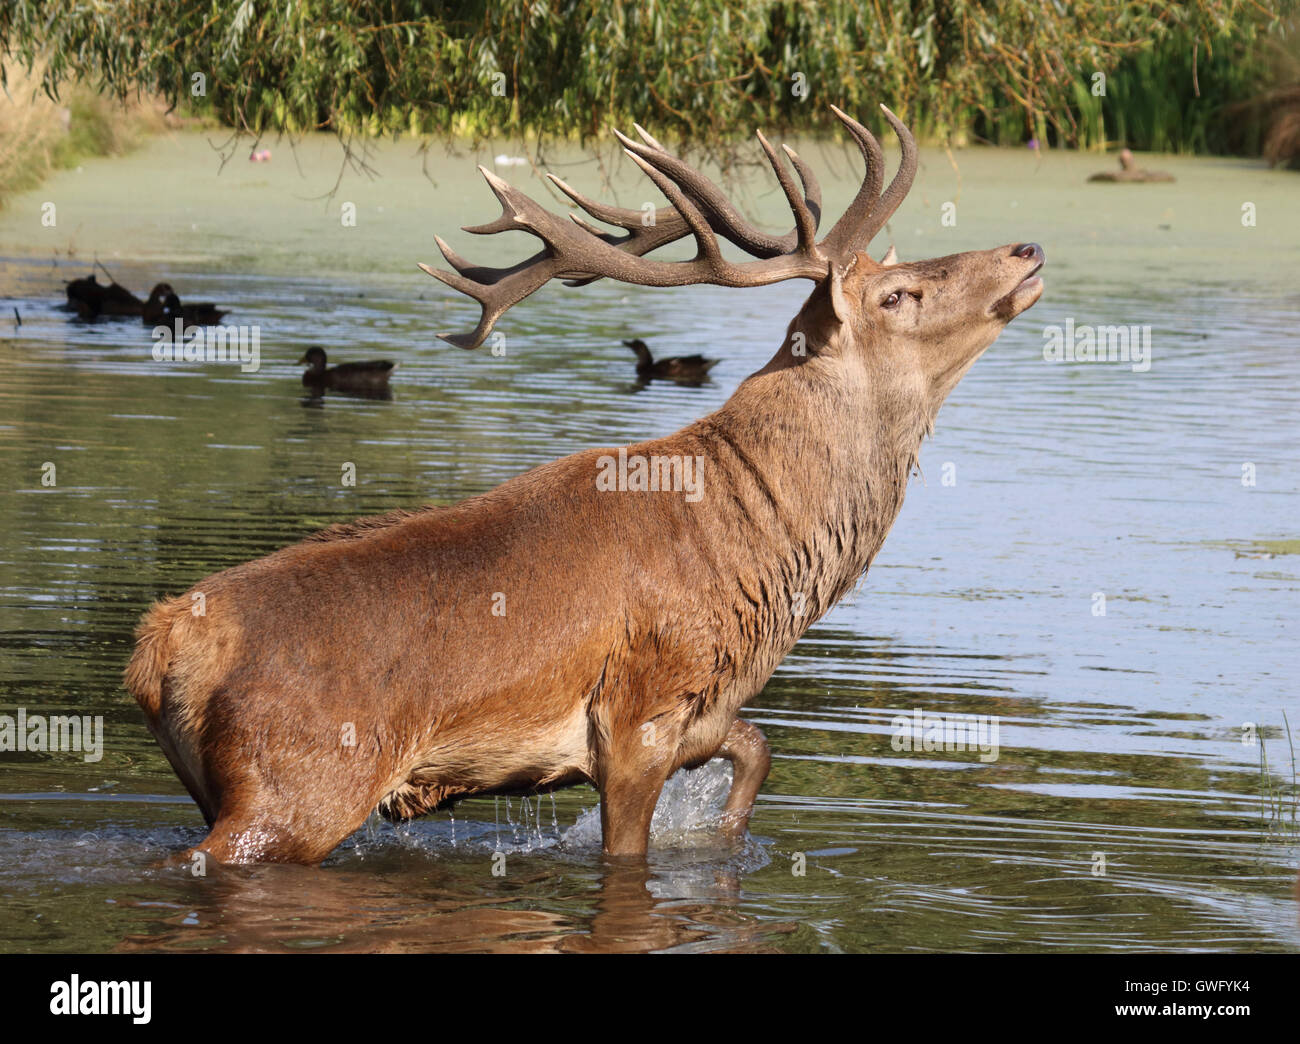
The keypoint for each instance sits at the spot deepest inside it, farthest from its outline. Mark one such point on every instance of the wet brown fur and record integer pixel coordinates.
(636, 624)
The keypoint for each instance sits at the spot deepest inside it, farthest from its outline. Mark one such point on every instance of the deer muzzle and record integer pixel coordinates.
(1026, 261)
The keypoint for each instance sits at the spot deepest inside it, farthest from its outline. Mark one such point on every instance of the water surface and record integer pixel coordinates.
(1123, 812)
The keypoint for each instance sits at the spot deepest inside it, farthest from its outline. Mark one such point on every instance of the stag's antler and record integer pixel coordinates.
(579, 252)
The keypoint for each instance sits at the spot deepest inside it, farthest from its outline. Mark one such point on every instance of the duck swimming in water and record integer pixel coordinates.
(682, 368)
(90, 300)
(361, 377)
(164, 306)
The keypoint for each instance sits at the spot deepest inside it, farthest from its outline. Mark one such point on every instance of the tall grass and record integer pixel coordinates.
(1181, 94)
(1277, 104)
(39, 135)
(1279, 799)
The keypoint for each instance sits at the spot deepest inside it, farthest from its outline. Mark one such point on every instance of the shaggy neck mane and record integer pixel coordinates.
(815, 451)
(365, 526)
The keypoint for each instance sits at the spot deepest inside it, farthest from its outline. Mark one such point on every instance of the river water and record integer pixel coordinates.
(1143, 792)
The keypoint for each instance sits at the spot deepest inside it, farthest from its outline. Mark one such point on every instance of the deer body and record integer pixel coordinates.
(552, 631)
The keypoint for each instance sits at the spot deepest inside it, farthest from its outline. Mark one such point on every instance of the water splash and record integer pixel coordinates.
(688, 814)
(686, 821)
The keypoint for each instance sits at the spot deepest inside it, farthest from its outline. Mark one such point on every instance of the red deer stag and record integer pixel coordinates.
(571, 625)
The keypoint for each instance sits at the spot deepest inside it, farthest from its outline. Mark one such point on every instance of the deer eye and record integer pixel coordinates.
(892, 300)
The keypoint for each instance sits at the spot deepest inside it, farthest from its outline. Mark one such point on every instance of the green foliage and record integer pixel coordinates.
(1177, 98)
(700, 70)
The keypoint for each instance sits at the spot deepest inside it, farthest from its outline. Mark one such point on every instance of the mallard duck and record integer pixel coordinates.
(678, 368)
(371, 376)
(1131, 172)
(90, 300)
(164, 306)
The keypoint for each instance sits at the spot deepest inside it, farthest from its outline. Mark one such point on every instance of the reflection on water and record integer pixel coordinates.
(1127, 808)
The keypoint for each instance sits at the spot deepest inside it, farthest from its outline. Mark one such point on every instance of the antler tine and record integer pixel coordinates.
(721, 215)
(464, 267)
(717, 210)
(459, 283)
(622, 217)
(507, 221)
(669, 222)
(669, 218)
(493, 306)
(805, 223)
(704, 239)
(647, 137)
(482, 275)
(898, 188)
(666, 227)
(842, 237)
(586, 225)
(812, 191)
(516, 208)
(866, 214)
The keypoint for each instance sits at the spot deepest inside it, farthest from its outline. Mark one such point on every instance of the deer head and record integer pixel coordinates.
(916, 327)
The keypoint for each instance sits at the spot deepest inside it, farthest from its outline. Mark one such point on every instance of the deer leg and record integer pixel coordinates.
(256, 829)
(627, 804)
(633, 769)
(747, 750)
(234, 840)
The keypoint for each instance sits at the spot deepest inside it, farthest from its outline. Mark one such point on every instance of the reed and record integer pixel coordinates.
(1279, 798)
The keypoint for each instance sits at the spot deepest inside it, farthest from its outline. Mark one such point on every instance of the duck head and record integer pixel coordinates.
(314, 357)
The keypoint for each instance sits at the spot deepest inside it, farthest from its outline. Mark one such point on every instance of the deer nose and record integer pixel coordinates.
(1029, 251)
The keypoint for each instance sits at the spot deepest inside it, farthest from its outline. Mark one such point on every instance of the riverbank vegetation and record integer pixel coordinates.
(40, 134)
(1200, 76)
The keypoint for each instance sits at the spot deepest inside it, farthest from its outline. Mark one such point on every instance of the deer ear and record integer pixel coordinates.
(890, 258)
(859, 263)
(835, 287)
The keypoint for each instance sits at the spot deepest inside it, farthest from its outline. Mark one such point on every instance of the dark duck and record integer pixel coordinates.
(683, 368)
(164, 307)
(90, 300)
(369, 377)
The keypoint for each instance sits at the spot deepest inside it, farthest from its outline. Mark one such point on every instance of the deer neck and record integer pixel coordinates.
(815, 455)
